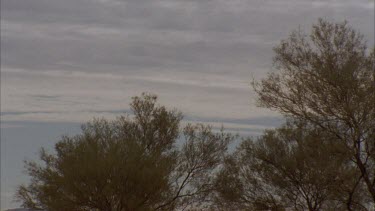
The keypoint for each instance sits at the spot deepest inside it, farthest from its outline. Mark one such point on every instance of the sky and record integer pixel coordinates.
(65, 62)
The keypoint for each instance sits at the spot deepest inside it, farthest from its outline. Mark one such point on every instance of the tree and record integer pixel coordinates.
(131, 163)
(295, 167)
(328, 80)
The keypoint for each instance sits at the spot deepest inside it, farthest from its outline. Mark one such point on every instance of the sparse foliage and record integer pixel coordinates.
(295, 167)
(127, 164)
(328, 80)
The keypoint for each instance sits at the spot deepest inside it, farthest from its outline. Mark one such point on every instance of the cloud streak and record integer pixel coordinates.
(199, 56)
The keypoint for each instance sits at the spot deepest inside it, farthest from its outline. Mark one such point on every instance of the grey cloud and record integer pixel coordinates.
(167, 46)
(120, 112)
(81, 11)
(125, 36)
(265, 121)
(45, 97)
(103, 55)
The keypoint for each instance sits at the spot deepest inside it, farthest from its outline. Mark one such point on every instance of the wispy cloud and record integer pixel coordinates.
(61, 59)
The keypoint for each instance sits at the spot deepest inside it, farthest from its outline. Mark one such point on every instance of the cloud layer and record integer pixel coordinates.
(68, 60)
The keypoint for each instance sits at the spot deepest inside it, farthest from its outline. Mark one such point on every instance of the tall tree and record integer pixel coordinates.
(131, 163)
(295, 167)
(328, 79)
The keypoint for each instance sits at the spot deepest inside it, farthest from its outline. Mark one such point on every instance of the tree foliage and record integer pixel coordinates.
(295, 167)
(131, 163)
(328, 80)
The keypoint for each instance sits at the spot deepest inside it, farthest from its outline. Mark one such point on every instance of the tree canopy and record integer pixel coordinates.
(131, 163)
(295, 167)
(328, 80)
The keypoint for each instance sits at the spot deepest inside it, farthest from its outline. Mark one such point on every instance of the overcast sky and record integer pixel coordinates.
(64, 62)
